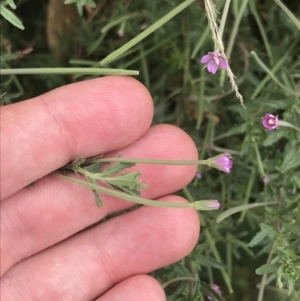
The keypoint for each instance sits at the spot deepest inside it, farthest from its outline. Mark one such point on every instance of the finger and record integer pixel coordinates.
(136, 288)
(96, 259)
(55, 209)
(86, 118)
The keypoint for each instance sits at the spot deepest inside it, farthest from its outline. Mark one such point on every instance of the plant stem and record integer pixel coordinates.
(125, 196)
(224, 17)
(258, 159)
(264, 278)
(96, 71)
(154, 161)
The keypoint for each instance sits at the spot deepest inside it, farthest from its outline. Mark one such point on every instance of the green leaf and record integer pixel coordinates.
(97, 198)
(257, 239)
(210, 262)
(116, 168)
(291, 159)
(11, 4)
(273, 137)
(288, 209)
(271, 233)
(11, 17)
(96, 195)
(233, 131)
(267, 268)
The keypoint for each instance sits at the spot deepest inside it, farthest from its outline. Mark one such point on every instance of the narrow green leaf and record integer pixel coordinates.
(11, 4)
(97, 199)
(270, 73)
(267, 268)
(11, 17)
(257, 239)
(273, 137)
(96, 195)
(271, 233)
(288, 209)
(210, 262)
(147, 32)
(292, 17)
(240, 208)
(116, 168)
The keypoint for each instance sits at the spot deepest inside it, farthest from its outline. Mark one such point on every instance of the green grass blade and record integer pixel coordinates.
(147, 32)
(240, 208)
(269, 72)
(288, 12)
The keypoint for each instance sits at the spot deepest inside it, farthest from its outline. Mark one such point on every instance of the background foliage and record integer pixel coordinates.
(246, 246)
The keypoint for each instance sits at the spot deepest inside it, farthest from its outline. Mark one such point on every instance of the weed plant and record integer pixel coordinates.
(252, 254)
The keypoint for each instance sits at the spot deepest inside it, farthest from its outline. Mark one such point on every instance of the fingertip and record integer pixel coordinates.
(136, 288)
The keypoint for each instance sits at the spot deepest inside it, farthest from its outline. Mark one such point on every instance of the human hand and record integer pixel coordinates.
(48, 249)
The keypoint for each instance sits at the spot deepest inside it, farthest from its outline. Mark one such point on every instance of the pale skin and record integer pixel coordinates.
(48, 249)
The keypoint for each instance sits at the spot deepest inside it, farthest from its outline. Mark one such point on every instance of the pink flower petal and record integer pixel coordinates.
(223, 63)
(212, 67)
(206, 58)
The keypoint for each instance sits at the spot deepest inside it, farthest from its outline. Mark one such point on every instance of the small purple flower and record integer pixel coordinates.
(270, 122)
(223, 162)
(216, 289)
(266, 180)
(198, 175)
(214, 61)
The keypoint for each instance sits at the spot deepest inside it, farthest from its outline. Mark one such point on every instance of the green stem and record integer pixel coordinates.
(154, 161)
(225, 150)
(248, 192)
(233, 36)
(201, 100)
(224, 17)
(125, 196)
(96, 71)
(259, 162)
(264, 278)
(197, 205)
(229, 258)
(289, 13)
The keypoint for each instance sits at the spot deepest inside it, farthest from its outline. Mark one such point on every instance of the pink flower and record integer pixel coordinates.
(266, 180)
(214, 61)
(222, 162)
(198, 175)
(270, 122)
(216, 289)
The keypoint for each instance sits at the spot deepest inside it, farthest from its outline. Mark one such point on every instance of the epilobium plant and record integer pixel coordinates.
(128, 185)
(259, 201)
